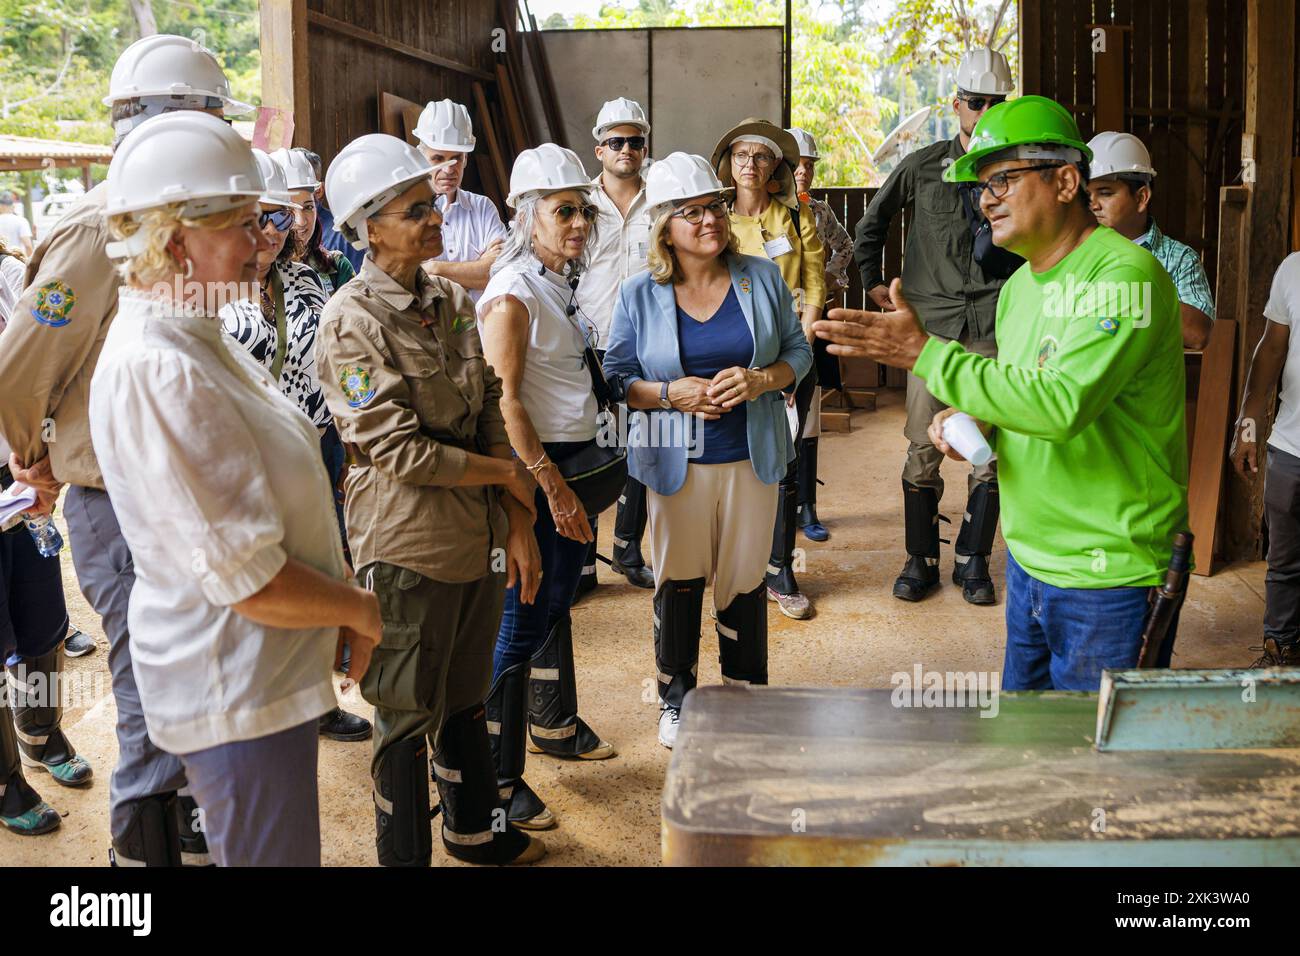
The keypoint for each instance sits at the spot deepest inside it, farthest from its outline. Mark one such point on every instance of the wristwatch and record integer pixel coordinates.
(663, 397)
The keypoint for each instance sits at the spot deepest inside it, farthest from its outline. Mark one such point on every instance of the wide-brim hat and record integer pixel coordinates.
(782, 175)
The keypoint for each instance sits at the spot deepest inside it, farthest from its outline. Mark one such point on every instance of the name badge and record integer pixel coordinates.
(778, 247)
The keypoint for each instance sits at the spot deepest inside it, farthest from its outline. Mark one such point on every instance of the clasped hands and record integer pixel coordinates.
(711, 398)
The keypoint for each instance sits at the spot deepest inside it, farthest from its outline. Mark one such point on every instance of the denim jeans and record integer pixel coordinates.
(524, 627)
(1063, 638)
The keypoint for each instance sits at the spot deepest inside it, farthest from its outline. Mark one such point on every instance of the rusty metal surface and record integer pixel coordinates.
(782, 775)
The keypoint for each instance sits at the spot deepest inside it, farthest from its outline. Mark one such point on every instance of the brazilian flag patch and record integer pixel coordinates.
(1109, 326)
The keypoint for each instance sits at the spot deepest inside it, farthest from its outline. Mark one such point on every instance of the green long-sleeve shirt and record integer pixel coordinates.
(1087, 396)
(941, 278)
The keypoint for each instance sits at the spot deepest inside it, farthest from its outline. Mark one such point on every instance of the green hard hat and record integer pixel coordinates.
(1027, 120)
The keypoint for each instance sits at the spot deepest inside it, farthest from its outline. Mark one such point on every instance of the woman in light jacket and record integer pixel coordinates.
(706, 340)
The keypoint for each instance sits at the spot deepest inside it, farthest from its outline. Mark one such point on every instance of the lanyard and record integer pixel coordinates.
(281, 330)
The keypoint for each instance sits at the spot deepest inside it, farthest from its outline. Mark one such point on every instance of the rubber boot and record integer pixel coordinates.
(507, 723)
(809, 523)
(401, 793)
(554, 726)
(742, 638)
(189, 830)
(150, 837)
(781, 584)
(21, 808)
(920, 574)
(474, 824)
(629, 526)
(677, 610)
(975, 544)
(38, 715)
(587, 580)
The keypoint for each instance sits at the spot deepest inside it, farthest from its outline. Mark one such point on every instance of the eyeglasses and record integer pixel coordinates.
(998, 184)
(978, 103)
(616, 143)
(416, 213)
(282, 219)
(695, 214)
(759, 160)
(564, 214)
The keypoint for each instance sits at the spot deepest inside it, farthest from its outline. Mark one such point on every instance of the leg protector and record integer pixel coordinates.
(16, 795)
(194, 845)
(780, 568)
(150, 838)
(742, 638)
(587, 580)
(807, 481)
(975, 544)
(507, 720)
(921, 522)
(38, 710)
(678, 605)
(474, 825)
(553, 721)
(629, 525)
(401, 793)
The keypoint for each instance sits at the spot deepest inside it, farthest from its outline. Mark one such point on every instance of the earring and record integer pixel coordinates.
(773, 186)
(189, 267)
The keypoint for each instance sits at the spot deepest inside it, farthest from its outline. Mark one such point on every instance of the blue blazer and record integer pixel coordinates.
(643, 344)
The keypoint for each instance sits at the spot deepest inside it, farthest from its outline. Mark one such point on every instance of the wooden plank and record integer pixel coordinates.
(484, 121)
(286, 63)
(510, 107)
(394, 45)
(1194, 160)
(1029, 43)
(1081, 41)
(1209, 455)
(1109, 72)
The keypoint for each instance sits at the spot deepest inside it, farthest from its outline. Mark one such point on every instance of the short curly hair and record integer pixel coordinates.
(156, 263)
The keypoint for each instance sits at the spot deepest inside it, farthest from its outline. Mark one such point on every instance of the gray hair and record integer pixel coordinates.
(518, 247)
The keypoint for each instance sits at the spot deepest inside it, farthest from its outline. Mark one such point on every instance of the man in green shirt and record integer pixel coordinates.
(1083, 406)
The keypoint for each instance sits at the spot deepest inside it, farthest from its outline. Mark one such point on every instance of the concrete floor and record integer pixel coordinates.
(609, 811)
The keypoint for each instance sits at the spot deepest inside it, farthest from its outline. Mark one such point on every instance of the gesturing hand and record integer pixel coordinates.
(691, 395)
(880, 295)
(893, 338)
(735, 385)
(1244, 453)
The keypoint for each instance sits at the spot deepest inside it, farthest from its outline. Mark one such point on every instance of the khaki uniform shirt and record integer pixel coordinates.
(411, 393)
(49, 349)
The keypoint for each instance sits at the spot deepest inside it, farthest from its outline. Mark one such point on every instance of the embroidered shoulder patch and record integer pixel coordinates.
(1109, 326)
(355, 383)
(462, 323)
(54, 302)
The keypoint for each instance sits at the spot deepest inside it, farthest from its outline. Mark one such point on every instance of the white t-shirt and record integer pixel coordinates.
(469, 226)
(621, 250)
(556, 388)
(217, 480)
(13, 272)
(1284, 308)
(14, 229)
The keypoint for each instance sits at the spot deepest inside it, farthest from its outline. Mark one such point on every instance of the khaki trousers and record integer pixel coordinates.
(718, 526)
(922, 465)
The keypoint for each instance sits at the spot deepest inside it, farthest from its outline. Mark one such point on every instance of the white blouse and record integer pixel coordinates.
(217, 480)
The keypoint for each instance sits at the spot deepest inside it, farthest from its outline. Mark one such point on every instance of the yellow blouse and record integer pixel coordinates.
(804, 266)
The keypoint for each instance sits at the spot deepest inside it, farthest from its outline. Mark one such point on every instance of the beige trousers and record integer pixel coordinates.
(718, 526)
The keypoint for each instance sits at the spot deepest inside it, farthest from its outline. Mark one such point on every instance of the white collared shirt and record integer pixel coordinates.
(622, 245)
(217, 480)
(469, 226)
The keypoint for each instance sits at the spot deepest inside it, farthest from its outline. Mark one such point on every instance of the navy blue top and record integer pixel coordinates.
(333, 240)
(707, 348)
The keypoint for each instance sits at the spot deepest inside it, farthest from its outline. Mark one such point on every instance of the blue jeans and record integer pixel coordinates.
(1063, 638)
(524, 627)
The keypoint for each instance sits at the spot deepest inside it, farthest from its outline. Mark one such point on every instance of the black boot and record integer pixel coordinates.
(188, 820)
(338, 724)
(781, 584)
(1277, 654)
(507, 723)
(742, 638)
(554, 726)
(975, 544)
(38, 716)
(809, 523)
(677, 609)
(21, 808)
(920, 575)
(587, 581)
(401, 794)
(474, 824)
(151, 837)
(629, 526)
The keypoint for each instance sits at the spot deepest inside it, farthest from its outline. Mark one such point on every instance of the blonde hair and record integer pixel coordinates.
(156, 263)
(662, 259)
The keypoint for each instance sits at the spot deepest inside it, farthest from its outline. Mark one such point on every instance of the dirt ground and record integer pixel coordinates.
(609, 811)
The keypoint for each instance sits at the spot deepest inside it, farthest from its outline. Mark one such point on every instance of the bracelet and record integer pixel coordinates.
(537, 467)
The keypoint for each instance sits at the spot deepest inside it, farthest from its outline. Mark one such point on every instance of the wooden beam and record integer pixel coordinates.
(326, 22)
(1031, 45)
(286, 65)
(1210, 449)
(1108, 65)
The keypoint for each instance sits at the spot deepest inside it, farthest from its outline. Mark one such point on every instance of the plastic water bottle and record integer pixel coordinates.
(45, 534)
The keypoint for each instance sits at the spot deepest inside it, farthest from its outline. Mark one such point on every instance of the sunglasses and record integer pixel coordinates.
(977, 103)
(282, 219)
(416, 213)
(566, 213)
(695, 214)
(999, 184)
(616, 143)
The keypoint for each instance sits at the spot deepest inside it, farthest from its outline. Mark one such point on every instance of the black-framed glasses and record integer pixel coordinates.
(282, 219)
(760, 160)
(418, 212)
(998, 184)
(978, 103)
(695, 214)
(616, 143)
(566, 213)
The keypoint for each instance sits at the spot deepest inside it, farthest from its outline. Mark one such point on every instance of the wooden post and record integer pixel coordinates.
(1108, 70)
(1031, 40)
(286, 64)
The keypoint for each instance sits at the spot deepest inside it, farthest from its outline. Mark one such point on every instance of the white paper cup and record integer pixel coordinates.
(964, 435)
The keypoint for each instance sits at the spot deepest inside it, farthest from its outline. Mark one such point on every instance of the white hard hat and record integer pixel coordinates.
(678, 177)
(167, 65)
(367, 174)
(985, 72)
(619, 112)
(1119, 154)
(187, 157)
(277, 186)
(445, 125)
(546, 169)
(297, 169)
(807, 145)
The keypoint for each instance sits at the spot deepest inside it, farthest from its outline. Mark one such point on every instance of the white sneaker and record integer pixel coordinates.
(668, 718)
